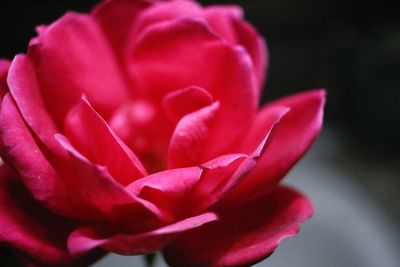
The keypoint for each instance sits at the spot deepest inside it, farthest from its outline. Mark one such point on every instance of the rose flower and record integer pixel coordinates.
(137, 128)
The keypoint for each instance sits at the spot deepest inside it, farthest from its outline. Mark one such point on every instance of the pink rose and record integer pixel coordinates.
(136, 128)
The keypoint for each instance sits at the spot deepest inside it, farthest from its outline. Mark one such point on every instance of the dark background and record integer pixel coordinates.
(352, 48)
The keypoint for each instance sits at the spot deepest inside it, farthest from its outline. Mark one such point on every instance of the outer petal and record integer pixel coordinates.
(225, 20)
(25, 90)
(39, 235)
(55, 184)
(164, 11)
(90, 134)
(228, 22)
(244, 234)
(116, 18)
(97, 191)
(291, 140)
(4, 66)
(228, 77)
(256, 46)
(86, 239)
(222, 174)
(72, 56)
(21, 150)
(224, 185)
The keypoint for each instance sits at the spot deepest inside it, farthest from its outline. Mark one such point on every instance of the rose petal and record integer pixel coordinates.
(4, 66)
(261, 126)
(228, 22)
(187, 145)
(244, 234)
(91, 135)
(74, 57)
(23, 152)
(116, 18)
(183, 192)
(29, 227)
(290, 141)
(256, 46)
(25, 90)
(94, 187)
(86, 239)
(255, 144)
(221, 20)
(224, 20)
(228, 77)
(165, 11)
(53, 184)
(184, 101)
(167, 190)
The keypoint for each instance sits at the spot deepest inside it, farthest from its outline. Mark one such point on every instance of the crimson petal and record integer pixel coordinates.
(244, 234)
(86, 130)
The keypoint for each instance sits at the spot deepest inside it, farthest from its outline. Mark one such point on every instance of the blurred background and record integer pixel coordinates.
(352, 174)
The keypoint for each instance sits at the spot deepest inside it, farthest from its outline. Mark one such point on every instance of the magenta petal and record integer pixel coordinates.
(184, 101)
(221, 181)
(222, 19)
(290, 141)
(29, 227)
(4, 66)
(228, 22)
(187, 145)
(244, 234)
(95, 188)
(21, 150)
(261, 127)
(218, 176)
(116, 19)
(91, 135)
(25, 90)
(229, 77)
(167, 190)
(257, 48)
(86, 239)
(163, 11)
(72, 57)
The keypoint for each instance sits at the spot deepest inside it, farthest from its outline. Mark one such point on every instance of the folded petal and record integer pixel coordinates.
(91, 135)
(22, 151)
(184, 101)
(226, 184)
(290, 141)
(244, 234)
(168, 190)
(72, 56)
(51, 179)
(26, 92)
(95, 188)
(187, 145)
(229, 77)
(183, 192)
(29, 227)
(86, 239)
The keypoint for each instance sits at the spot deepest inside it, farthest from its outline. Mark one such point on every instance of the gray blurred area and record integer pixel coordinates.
(352, 173)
